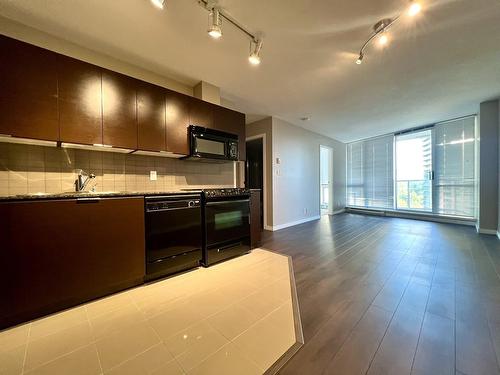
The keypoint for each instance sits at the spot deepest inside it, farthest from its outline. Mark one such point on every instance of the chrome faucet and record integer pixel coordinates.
(83, 179)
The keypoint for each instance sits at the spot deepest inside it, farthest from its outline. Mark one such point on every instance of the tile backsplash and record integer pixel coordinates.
(26, 169)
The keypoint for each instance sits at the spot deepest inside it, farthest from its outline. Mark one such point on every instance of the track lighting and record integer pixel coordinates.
(158, 3)
(414, 9)
(214, 24)
(383, 39)
(255, 47)
(360, 59)
(216, 14)
(381, 27)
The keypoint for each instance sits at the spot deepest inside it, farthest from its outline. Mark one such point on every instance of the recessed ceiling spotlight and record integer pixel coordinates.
(255, 47)
(158, 3)
(414, 9)
(214, 24)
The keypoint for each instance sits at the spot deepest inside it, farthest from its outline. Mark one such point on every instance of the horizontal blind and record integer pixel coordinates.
(370, 174)
(454, 167)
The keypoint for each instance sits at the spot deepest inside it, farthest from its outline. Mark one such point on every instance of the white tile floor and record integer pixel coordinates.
(236, 317)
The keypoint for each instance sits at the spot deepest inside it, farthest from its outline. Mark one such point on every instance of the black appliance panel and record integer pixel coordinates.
(206, 143)
(227, 220)
(221, 252)
(173, 228)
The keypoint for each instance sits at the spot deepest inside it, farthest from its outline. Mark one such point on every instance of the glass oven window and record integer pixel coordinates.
(207, 146)
(226, 220)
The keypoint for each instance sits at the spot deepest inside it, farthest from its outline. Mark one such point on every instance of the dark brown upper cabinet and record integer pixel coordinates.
(119, 110)
(28, 93)
(80, 110)
(233, 122)
(201, 113)
(177, 122)
(151, 112)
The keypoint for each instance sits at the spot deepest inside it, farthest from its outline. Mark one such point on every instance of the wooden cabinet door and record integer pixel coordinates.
(80, 109)
(119, 110)
(151, 113)
(177, 123)
(28, 92)
(233, 122)
(201, 113)
(57, 254)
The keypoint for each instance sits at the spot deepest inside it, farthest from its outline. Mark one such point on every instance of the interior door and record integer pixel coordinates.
(414, 171)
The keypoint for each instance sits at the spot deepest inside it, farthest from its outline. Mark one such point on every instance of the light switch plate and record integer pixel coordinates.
(152, 175)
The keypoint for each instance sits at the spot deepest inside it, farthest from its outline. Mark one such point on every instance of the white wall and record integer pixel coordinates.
(488, 166)
(296, 192)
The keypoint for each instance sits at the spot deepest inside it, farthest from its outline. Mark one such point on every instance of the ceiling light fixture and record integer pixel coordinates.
(216, 14)
(414, 9)
(214, 24)
(381, 27)
(360, 59)
(158, 3)
(383, 39)
(255, 47)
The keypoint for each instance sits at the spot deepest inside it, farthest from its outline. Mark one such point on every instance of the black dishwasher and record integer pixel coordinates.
(173, 234)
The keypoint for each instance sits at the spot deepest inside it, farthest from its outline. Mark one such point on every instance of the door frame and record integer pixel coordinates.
(264, 173)
(330, 179)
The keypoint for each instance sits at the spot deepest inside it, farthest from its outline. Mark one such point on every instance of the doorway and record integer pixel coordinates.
(255, 170)
(414, 171)
(326, 180)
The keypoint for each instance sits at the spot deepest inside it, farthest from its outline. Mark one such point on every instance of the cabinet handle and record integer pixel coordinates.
(88, 200)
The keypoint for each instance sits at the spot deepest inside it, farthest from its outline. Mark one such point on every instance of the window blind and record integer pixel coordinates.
(454, 167)
(370, 173)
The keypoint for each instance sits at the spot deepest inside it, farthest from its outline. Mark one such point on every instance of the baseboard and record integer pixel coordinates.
(338, 212)
(268, 227)
(286, 225)
(487, 231)
(413, 216)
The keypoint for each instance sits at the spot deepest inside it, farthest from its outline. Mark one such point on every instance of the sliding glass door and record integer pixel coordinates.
(414, 171)
(455, 168)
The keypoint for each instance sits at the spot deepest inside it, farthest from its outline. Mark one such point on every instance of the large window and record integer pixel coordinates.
(370, 173)
(428, 170)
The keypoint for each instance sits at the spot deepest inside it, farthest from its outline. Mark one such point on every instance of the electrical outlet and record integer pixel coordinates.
(153, 176)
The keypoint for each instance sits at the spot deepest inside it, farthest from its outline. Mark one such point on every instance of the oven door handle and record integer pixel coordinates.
(227, 202)
(221, 249)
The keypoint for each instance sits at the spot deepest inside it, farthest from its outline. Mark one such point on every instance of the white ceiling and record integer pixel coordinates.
(438, 66)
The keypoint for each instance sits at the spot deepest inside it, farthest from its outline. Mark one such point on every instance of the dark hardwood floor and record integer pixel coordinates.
(394, 296)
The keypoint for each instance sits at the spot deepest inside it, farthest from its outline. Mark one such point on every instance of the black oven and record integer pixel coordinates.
(226, 224)
(206, 143)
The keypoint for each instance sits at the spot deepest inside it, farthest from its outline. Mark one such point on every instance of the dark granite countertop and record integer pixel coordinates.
(97, 194)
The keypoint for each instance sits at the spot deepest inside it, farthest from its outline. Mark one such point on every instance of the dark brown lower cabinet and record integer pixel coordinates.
(255, 227)
(57, 254)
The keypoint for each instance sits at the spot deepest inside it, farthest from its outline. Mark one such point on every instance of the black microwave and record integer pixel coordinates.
(206, 143)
